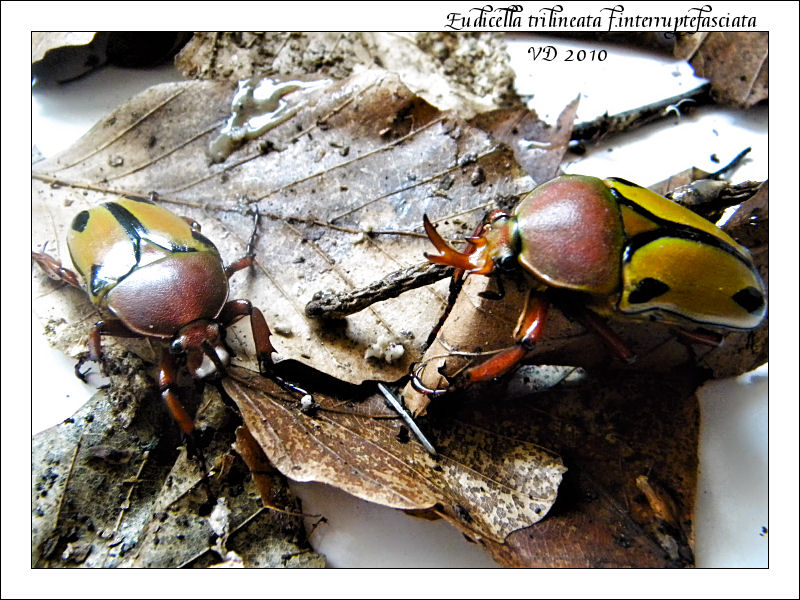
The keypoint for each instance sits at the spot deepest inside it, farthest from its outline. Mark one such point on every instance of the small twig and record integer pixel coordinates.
(731, 166)
(340, 304)
(632, 119)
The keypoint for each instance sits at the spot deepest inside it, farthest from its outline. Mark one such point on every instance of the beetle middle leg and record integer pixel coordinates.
(235, 310)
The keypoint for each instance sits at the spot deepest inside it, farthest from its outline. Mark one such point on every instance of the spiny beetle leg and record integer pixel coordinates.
(112, 327)
(529, 329)
(235, 310)
(249, 258)
(238, 265)
(699, 336)
(600, 328)
(166, 383)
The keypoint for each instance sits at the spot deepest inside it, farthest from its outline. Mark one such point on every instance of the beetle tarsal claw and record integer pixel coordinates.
(416, 382)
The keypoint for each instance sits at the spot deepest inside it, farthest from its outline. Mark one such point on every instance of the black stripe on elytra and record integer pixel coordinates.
(132, 226)
(668, 229)
(140, 199)
(137, 231)
(646, 290)
(202, 239)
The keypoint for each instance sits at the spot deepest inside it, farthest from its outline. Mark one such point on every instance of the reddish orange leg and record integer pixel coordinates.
(166, 383)
(235, 310)
(699, 336)
(249, 253)
(112, 327)
(529, 329)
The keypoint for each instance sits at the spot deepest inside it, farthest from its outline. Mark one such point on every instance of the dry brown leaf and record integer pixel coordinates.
(626, 501)
(612, 431)
(465, 72)
(108, 496)
(736, 63)
(539, 148)
(487, 482)
(359, 156)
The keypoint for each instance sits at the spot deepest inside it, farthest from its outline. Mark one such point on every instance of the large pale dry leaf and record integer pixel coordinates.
(358, 158)
(736, 63)
(465, 72)
(484, 480)
(108, 496)
(539, 148)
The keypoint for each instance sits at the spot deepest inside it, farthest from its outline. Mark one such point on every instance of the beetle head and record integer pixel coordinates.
(493, 246)
(202, 343)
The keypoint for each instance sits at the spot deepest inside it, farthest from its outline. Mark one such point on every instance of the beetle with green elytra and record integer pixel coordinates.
(615, 249)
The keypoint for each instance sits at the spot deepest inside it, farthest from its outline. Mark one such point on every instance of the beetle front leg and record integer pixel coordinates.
(529, 329)
(235, 310)
(166, 382)
(54, 269)
(112, 327)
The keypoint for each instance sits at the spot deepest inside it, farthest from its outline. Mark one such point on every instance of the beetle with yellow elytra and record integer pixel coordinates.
(160, 278)
(618, 249)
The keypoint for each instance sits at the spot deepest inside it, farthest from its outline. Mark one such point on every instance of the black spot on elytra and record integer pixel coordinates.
(80, 221)
(647, 289)
(749, 299)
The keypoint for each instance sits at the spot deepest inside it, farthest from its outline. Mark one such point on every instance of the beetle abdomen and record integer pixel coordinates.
(157, 299)
(571, 234)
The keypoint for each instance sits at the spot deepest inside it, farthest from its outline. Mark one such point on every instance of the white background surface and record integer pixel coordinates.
(636, 166)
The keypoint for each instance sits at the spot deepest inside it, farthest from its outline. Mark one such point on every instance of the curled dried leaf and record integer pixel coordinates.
(485, 481)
